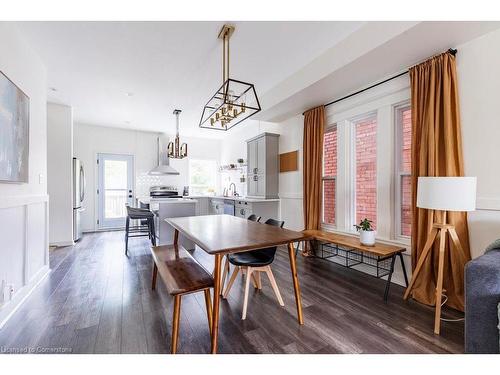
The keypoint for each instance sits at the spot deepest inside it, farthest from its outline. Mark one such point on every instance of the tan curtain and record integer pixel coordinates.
(437, 151)
(314, 123)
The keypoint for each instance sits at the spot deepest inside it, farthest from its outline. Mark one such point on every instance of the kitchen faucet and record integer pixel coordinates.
(234, 189)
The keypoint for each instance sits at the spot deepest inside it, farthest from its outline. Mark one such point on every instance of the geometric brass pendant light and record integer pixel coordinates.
(234, 101)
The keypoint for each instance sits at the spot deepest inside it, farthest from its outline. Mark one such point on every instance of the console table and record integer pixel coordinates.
(350, 252)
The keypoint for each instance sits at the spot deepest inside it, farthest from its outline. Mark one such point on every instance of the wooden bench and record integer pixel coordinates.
(182, 274)
(355, 253)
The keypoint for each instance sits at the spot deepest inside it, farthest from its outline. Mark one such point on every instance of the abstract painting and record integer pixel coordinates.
(14, 132)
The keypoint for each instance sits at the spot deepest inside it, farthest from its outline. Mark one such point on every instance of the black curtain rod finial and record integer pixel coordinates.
(452, 51)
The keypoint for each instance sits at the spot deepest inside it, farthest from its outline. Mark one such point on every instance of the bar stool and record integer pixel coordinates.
(146, 227)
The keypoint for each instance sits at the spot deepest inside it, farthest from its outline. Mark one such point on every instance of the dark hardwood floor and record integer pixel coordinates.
(96, 300)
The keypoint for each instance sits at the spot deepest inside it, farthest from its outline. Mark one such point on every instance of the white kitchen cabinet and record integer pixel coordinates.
(263, 166)
(216, 206)
(243, 209)
(202, 205)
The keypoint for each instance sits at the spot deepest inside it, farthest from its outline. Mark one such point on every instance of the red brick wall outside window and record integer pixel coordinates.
(366, 170)
(329, 174)
(405, 169)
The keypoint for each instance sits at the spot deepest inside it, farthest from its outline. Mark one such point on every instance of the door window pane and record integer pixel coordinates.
(115, 174)
(115, 188)
(114, 204)
(366, 169)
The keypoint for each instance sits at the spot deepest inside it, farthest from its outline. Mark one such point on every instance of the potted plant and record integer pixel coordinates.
(366, 232)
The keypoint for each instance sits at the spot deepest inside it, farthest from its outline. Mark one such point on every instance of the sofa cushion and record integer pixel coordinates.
(493, 246)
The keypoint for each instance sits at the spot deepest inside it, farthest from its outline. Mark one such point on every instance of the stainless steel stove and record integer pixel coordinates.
(163, 191)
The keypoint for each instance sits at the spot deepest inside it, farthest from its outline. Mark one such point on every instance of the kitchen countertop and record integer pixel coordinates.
(165, 200)
(190, 198)
(243, 199)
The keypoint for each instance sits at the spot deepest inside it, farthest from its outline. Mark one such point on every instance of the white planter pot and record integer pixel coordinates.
(367, 237)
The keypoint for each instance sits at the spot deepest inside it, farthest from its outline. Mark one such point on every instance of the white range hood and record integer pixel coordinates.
(163, 168)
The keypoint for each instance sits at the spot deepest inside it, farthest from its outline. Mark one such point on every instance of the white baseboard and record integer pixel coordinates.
(7, 309)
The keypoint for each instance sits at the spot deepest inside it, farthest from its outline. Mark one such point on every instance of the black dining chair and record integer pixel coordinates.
(252, 263)
(254, 217)
(145, 228)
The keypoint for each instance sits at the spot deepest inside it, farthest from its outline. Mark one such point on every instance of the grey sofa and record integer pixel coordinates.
(482, 297)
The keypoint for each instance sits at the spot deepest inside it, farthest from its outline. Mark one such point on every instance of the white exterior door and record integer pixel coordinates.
(115, 189)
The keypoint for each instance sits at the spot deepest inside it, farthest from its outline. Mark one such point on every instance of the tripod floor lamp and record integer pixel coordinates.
(443, 194)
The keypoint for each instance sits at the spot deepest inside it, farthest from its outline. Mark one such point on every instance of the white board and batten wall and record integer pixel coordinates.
(24, 207)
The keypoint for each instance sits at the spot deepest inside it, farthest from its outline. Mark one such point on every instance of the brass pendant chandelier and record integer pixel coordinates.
(175, 149)
(234, 101)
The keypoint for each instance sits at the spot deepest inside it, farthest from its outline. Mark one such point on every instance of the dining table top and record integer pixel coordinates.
(224, 234)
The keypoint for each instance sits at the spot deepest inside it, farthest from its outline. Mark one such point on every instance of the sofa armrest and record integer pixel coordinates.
(482, 295)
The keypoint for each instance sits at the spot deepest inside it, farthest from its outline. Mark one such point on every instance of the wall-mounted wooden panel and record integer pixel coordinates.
(289, 161)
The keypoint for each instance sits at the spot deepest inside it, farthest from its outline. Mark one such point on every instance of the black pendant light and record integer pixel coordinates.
(234, 101)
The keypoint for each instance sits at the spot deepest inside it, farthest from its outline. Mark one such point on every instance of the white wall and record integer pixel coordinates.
(60, 173)
(478, 64)
(24, 207)
(90, 140)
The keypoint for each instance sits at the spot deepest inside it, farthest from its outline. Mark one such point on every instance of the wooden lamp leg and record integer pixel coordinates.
(425, 252)
(439, 286)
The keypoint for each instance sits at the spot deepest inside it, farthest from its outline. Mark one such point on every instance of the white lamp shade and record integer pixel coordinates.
(447, 193)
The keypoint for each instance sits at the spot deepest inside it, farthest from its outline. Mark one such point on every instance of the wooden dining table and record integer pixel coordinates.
(220, 235)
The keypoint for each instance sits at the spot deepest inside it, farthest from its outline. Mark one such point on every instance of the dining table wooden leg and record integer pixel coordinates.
(176, 237)
(215, 314)
(296, 286)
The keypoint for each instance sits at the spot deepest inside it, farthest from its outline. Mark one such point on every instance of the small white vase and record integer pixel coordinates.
(367, 237)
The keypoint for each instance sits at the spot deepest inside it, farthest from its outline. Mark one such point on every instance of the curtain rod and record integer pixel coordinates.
(451, 51)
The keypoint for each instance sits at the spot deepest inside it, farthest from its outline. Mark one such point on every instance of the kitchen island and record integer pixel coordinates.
(169, 208)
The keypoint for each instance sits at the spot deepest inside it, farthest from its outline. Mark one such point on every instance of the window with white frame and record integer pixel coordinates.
(371, 177)
(329, 175)
(202, 176)
(365, 139)
(402, 117)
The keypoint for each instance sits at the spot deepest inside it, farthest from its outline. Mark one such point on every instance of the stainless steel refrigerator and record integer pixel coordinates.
(78, 197)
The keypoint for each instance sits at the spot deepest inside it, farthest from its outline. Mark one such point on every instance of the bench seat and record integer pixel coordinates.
(180, 272)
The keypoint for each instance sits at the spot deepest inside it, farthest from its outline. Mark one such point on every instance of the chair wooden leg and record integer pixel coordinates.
(224, 274)
(255, 282)
(175, 323)
(245, 298)
(258, 279)
(270, 275)
(231, 281)
(155, 274)
(208, 304)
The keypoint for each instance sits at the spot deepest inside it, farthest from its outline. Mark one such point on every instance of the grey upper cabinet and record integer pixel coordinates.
(263, 166)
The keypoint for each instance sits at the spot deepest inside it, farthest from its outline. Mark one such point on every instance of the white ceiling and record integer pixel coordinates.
(167, 65)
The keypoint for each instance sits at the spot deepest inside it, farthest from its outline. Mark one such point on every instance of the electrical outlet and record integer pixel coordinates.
(41, 178)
